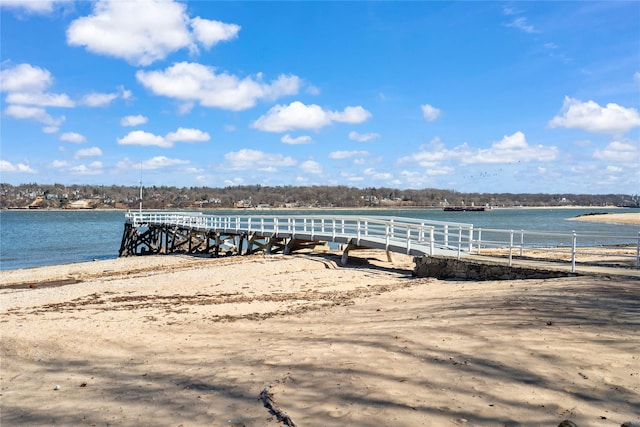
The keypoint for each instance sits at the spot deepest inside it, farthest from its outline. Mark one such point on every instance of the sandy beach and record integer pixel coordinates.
(613, 218)
(184, 341)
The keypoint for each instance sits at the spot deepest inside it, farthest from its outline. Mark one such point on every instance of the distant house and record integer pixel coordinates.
(243, 204)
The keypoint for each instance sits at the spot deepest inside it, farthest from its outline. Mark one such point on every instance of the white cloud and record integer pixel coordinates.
(88, 152)
(9, 167)
(511, 149)
(158, 162)
(140, 137)
(430, 113)
(254, 159)
(59, 164)
(98, 99)
(50, 129)
(636, 76)
(210, 33)
(374, 174)
(33, 113)
(311, 166)
(194, 82)
(26, 85)
(133, 120)
(187, 135)
(619, 152)
(74, 137)
(41, 7)
(614, 169)
(350, 177)
(522, 24)
(140, 32)
(297, 115)
(94, 168)
(193, 170)
(144, 31)
(313, 90)
(234, 181)
(288, 139)
(40, 99)
(347, 154)
(25, 78)
(363, 137)
(589, 116)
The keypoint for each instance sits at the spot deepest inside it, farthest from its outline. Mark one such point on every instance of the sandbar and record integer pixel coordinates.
(614, 218)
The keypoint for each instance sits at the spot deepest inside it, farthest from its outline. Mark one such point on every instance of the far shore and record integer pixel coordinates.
(339, 208)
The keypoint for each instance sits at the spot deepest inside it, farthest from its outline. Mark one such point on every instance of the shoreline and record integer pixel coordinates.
(631, 218)
(489, 208)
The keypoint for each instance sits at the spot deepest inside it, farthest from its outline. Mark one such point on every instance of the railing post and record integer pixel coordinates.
(521, 243)
(574, 239)
(479, 239)
(471, 239)
(459, 241)
(638, 252)
(432, 242)
(408, 241)
(510, 247)
(446, 235)
(386, 237)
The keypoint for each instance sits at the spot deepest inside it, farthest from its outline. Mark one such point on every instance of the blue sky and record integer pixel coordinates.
(469, 96)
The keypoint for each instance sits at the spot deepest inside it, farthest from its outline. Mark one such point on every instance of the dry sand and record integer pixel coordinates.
(614, 218)
(170, 341)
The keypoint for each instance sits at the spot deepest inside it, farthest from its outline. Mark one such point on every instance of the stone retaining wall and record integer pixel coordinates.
(451, 268)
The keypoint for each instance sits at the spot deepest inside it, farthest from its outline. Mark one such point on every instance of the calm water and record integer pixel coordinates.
(39, 238)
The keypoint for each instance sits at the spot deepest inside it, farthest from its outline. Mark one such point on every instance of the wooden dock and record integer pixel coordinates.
(148, 232)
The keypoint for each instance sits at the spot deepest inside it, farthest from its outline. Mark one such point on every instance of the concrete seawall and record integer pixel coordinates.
(455, 269)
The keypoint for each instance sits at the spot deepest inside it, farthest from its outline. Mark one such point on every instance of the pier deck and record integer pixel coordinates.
(155, 232)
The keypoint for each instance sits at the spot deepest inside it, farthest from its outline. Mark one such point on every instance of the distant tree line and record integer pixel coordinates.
(252, 196)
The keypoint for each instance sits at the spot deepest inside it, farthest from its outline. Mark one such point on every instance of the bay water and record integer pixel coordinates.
(33, 238)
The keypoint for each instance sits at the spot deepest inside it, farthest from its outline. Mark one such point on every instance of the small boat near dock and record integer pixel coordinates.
(464, 209)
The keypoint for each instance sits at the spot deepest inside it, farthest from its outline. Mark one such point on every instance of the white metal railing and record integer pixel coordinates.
(412, 235)
(558, 245)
